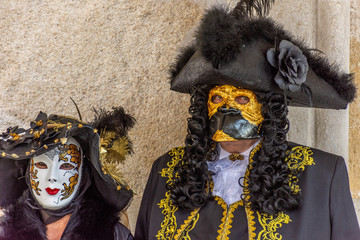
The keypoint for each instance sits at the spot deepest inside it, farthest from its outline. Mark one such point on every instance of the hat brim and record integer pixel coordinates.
(250, 70)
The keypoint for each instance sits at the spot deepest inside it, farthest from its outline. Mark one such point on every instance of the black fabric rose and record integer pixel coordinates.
(291, 63)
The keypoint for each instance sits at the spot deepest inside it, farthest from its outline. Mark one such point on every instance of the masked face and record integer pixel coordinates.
(234, 113)
(55, 175)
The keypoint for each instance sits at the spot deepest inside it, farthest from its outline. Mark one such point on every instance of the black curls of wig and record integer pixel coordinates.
(268, 186)
(116, 120)
(268, 181)
(191, 178)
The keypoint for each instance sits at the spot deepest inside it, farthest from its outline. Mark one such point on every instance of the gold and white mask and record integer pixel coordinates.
(55, 175)
(234, 114)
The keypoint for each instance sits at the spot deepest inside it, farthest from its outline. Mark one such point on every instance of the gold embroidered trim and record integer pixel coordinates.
(228, 215)
(250, 213)
(251, 223)
(298, 159)
(271, 224)
(169, 225)
(189, 224)
(177, 154)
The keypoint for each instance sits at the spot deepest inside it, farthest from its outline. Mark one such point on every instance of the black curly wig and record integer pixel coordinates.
(268, 182)
(268, 186)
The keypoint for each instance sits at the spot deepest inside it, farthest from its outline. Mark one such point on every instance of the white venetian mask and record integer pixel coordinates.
(55, 175)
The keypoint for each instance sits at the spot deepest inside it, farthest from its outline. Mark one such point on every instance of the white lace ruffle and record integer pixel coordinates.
(229, 175)
(228, 178)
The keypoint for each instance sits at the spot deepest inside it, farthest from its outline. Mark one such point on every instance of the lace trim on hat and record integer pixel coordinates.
(169, 225)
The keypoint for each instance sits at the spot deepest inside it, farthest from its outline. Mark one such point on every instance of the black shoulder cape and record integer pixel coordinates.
(93, 220)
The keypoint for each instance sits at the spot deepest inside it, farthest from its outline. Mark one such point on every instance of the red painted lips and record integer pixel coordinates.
(52, 191)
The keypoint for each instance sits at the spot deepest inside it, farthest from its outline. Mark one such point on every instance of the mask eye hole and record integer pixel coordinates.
(41, 165)
(216, 99)
(66, 166)
(242, 99)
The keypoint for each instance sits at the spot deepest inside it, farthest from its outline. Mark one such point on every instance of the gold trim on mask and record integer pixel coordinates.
(68, 190)
(33, 175)
(220, 136)
(75, 154)
(251, 111)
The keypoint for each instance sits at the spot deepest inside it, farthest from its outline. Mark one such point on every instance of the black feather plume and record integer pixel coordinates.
(246, 8)
(116, 120)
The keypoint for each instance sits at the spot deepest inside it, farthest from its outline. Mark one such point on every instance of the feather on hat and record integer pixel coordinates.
(104, 141)
(245, 49)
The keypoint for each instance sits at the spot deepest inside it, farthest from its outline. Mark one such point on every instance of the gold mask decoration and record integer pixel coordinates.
(250, 111)
(231, 97)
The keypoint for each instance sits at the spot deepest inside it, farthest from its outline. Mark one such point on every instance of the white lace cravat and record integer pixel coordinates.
(228, 175)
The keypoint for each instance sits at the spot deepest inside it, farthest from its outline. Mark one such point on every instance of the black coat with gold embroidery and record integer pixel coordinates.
(327, 211)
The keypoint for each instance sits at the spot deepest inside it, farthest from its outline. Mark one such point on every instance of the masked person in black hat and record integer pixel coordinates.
(238, 177)
(59, 178)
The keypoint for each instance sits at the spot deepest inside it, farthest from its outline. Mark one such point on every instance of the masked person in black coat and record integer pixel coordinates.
(59, 178)
(238, 177)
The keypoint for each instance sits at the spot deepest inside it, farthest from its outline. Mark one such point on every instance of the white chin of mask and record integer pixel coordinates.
(55, 175)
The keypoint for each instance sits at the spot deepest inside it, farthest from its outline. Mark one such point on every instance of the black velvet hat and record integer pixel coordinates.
(104, 143)
(243, 48)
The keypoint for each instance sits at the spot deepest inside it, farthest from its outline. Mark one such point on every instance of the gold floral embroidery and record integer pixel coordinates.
(298, 159)
(189, 224)
(250, 213)
(271, 224)
(169, 225)
(177, 154)
(228, 215)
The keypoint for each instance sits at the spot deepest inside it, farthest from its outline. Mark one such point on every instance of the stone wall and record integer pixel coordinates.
(354, 153)
(117, 52)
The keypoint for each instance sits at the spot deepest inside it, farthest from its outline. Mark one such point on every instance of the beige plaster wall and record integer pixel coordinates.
(117, 52)
(354, 150)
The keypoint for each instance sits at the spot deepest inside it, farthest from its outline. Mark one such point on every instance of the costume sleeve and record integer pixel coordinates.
(143, 220)
(344, 223)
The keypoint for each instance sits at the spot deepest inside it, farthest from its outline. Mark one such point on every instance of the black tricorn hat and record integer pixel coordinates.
(236, 48)
(104, 143)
